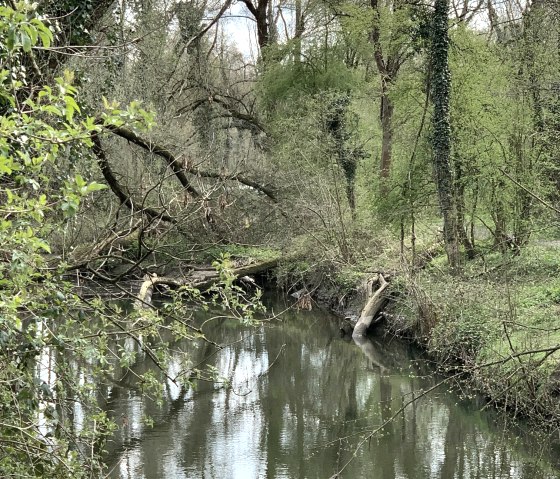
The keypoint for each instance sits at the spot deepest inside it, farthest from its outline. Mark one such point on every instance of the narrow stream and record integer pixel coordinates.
(301, 398)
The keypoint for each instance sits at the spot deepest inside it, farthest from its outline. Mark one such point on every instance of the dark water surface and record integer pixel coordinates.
(301, 400)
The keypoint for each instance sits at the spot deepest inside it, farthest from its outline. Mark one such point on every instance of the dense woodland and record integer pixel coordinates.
(338, 139)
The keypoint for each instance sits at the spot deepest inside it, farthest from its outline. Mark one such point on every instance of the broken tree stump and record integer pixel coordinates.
(373, 305)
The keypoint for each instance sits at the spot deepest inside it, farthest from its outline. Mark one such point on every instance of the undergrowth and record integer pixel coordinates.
(498, 321)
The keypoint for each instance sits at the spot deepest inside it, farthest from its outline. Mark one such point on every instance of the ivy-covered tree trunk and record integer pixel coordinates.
(347, 157)
(441, 141)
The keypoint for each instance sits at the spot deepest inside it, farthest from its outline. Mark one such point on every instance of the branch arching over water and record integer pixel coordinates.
(117, 188)
(180, 169)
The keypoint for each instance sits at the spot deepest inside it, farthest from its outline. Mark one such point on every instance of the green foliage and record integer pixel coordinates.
(77, 16)
(305, 127)
(463, 329)
(404, 29)
(24, 29)
(498, 313)
(489, 134)
(231, 297)
(55, 348)
(284, 85)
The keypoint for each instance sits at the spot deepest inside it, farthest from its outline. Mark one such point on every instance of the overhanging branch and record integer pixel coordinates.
(116, 187)
(180, 169)
(158, 150)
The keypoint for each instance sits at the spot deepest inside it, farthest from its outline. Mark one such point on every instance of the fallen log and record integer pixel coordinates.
(374, 304)
(204, 279)
(201, 279)
(423, 258)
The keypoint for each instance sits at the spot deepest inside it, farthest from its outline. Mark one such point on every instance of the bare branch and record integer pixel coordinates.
(180, 169)
(116, 187)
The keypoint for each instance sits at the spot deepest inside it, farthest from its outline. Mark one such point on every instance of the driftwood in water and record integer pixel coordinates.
(200, 279)
(373, 305)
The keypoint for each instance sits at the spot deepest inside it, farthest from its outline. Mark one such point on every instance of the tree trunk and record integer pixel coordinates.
(260, 12)
(374, 304)
(441, 141)
(387, 110)
(461, 210)
(347, 158)
(298, 32)
(388, 66)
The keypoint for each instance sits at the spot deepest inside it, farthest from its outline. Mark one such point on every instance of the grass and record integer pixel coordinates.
(501, 307)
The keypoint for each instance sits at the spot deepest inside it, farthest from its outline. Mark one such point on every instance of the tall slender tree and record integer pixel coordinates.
(388, 65)
(441, 140)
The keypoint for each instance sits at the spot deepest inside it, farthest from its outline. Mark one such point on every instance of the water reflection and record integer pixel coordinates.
(300, 400)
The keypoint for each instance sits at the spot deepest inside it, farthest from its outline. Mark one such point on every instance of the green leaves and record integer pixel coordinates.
(231, 297)
(84, 188)
(71, 107)
(133, 115)
(11, 39)
(21, 30)
(75, 189)
(39, 126)
(43, 32)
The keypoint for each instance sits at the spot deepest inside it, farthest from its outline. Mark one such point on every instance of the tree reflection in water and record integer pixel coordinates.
(300, 414)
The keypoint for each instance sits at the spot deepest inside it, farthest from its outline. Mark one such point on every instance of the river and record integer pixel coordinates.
(297, 402)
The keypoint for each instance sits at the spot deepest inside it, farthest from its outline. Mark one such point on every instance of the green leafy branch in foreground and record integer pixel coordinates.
(45, 345)
(232, 297)
(59, 351)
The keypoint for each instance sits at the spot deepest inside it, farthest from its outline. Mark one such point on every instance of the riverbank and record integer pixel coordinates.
(497, 321)
(298, 402)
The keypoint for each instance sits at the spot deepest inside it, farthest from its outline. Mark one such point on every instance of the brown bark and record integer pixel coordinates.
(205, 28)
(158, 150)
(227, 103)
(116, 187)
(298, 31)
(180, 169)
(205, 279)
(388, 68)
(387, 139)
(260, 14)
(83, 254)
